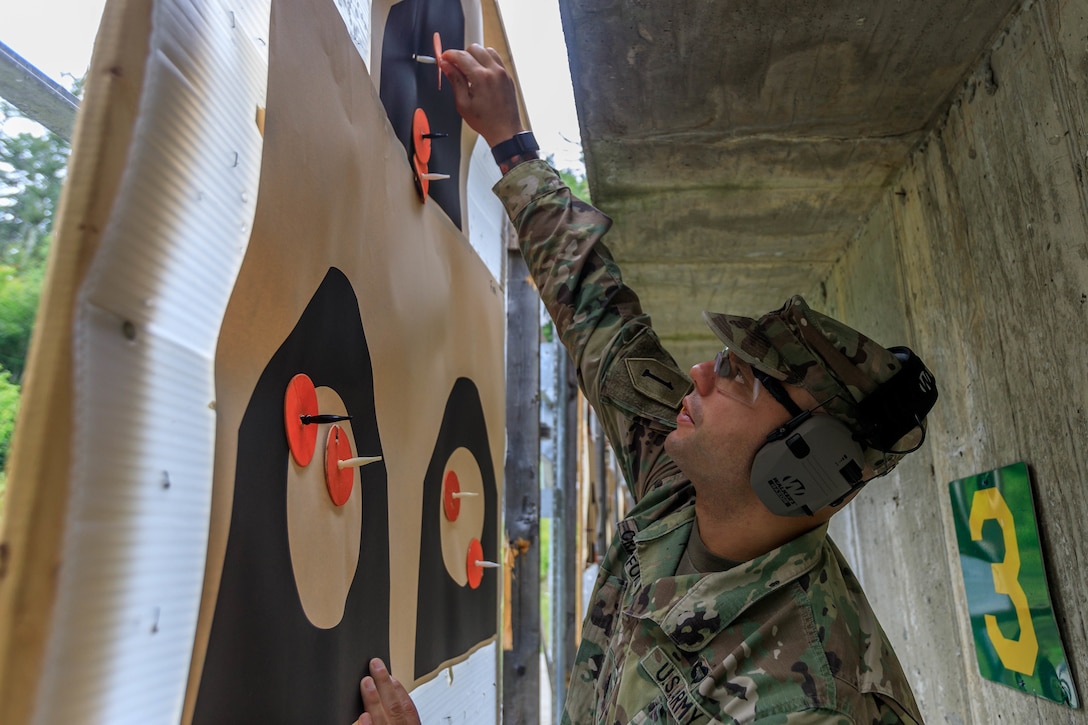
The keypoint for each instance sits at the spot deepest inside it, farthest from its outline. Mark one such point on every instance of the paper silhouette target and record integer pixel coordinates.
(414, 28)
(299, 570)
(457, 600)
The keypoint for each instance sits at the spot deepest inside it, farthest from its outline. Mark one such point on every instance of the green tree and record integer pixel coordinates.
(9, 405)
(576, 180)
(32, 170)
(577, 183)
(19, 293)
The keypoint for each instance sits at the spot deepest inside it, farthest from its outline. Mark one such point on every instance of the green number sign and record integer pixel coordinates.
(1016, 637)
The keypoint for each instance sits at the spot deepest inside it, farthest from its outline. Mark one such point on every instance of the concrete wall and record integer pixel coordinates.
(978, 258)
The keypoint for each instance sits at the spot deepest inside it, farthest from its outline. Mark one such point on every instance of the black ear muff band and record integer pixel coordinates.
(778, 393)
(899, 404)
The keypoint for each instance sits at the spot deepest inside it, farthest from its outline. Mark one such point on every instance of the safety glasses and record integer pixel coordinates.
(734, 377)
(727, 365)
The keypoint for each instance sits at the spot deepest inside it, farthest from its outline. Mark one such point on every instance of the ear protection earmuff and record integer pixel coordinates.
(807, 464)
(815, 460)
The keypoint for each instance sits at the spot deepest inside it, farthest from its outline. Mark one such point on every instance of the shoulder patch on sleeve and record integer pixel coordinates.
(657, 381)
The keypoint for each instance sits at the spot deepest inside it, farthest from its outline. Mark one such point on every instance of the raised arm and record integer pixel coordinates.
(631, 382)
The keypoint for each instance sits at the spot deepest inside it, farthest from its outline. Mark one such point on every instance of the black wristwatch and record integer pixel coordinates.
(517, 145)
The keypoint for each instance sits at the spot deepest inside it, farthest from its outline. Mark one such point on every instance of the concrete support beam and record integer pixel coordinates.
(38, 96)
(757, 136)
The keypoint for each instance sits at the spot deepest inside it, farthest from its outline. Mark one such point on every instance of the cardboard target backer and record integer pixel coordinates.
(265, 354)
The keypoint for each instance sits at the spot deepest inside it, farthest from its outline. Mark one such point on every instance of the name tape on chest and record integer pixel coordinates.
(631, 568)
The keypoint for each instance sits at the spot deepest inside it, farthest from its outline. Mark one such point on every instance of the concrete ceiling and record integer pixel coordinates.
(739, 145)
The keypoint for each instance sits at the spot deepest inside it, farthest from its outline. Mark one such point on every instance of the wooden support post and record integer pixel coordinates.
(600, 485)
(566, 567)
(521, 660)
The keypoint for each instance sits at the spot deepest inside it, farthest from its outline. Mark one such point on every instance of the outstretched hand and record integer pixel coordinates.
(483, 91)
(385, 701)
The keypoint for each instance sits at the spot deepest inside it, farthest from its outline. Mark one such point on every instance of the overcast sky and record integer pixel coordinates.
(57, 36)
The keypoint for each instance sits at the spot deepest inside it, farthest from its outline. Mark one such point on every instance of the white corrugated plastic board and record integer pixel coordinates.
(147, 321)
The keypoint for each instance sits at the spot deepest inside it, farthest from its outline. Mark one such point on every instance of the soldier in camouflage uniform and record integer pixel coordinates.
(707, 607)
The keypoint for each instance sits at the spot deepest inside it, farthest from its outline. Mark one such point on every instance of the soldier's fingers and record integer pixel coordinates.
(459, 59)
(452, 71)
(404, 706)
(496, 57)
(486, 57)
(372, 703)
(395, 701)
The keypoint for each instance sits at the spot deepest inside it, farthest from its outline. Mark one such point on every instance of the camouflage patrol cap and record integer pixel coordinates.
(837, 364)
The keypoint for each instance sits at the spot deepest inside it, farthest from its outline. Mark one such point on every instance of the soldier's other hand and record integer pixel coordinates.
(385, 701)
(483, 91)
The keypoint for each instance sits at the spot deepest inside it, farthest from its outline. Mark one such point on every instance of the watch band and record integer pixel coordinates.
(516, 160)
(517, 145)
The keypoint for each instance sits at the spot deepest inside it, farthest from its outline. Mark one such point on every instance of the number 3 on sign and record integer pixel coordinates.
(1016, 654)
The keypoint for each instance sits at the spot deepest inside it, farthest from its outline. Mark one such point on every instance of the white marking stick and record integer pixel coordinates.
(436, 177)
(488, 565)
(465, 494)
(424, 59)
(357, 462)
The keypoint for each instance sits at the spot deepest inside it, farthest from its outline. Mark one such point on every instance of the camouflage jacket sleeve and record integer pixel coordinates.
(632, 383)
